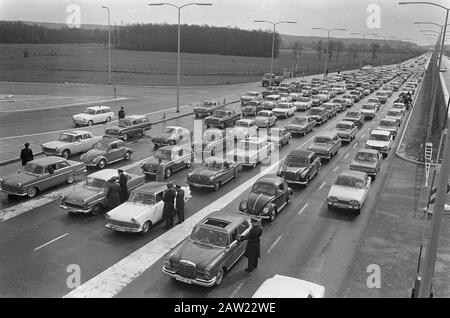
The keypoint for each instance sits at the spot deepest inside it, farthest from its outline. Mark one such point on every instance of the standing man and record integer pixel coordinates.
(169, 209)
(123, 186)
(26, 154)
(160, 171)
(112, 194)
(121, 113)
(252, 250)
(180, 204)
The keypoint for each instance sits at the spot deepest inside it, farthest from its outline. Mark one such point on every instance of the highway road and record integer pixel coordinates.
(306, 240)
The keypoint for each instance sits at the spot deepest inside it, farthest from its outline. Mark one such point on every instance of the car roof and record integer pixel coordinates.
(318, 107)
(151, 187)
(303, 153)
(353, 173)
(271, 179)
(48, 160)
(105, 174)
(372, 151)
(234, 220)
(327, 133)
(170, 147)
(98, 107)
(280, 286)
(347, 122)
(274, 95)
(110, 140)
(132, 117)
(76, 132)
(380, 132)
(247, 120)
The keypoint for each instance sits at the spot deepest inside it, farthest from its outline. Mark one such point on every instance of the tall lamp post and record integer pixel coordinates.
(384, 38)
(109, 44)
(431, 252)
(178, 51)
(328, 42)
(273, 37)
(363, 37)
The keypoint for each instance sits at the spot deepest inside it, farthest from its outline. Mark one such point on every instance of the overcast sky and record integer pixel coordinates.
(395, 20)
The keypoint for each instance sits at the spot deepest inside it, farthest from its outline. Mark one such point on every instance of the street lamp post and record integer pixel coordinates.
(273, 37)
(109, 44)
(328, 41)
(178, 50)
(431, 252)
(363, 37)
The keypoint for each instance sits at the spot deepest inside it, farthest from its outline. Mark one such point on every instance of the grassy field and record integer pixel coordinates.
(88, 63)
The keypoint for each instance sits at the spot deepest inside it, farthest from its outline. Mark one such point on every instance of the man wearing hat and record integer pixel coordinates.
(169, 208)
(180, 204)
(26, 154)
(123, 194)
(112, 193)
(121, 113)
(252, 250)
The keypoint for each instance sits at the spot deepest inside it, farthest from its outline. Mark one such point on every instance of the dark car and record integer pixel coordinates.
(211, 249)
(130, 126)
(106, 152)
(269, 195)
(299, 167)
(346, 130)
(214, 172)
(319, 114)
(252, 108)
(368, 161)
(301, 125)
(173, 158)
(326, 144)
(355, 117)
(222, 118)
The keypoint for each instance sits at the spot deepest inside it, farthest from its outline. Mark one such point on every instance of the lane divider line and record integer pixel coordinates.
(274, 243)
(302, 209)
(50, 242)
(321, 186)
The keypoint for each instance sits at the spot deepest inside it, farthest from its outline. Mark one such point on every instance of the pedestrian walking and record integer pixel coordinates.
(26, 154)
(123, 186)
(160, 171)
(252, 250)
(169, 209)
(113, 193)
(179, 204)
(121, 113)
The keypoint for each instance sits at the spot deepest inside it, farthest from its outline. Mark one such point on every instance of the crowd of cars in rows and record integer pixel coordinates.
(229, 141)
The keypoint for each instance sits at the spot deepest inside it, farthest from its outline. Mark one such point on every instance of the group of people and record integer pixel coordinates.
(117, 193)
(173, 204)
(405, 99)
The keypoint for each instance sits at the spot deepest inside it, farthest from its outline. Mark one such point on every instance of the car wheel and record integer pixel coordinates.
(96, 209)
(188, 164)
(155, 146)
(77, 125)
(101, 164)
(219, 277)
(167, 173)
(235, 174)
(254, 164)
(288, 199)
(66, 153)
(273, 213)
(71, 179)
(125, 137)
(90, 123)
(31, 192)
(127, 155)
(213, 153)
(145, 227)
(217, 186)
(108, 119)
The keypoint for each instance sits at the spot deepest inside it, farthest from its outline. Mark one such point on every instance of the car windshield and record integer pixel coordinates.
(163, 154)
(368, 107)
(299, 120)
(95, 183)
(340, 101)
(271, 98)
(372, 100)
(387, 123)
(125, 122)
(242, 123)
(209, 236)
(252, 93)
(264, 188)
(253, 103)
(89, 111)
(32, 167)
(66, 138)
(392, 113)
(303, 99)
(142, 198)
(379, 137)
(100, 146)
(287, 106)
(296, 161)
(322, 140)
(246, 145)
(264, 114)
(380, 94)
(341, 126)
(213, 164)
(169, 130)
(352, 114)
(211, 136)
(348, 181)
(220, 113)
(366, 157)
(315, 111)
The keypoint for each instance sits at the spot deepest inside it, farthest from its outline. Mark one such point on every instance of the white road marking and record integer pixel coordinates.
(39, 98)
(236, 290)
(334, 170)
(274, 243)
(354, 146)
(346, 155)
(49, 242)
(321, 186)
(302, 209)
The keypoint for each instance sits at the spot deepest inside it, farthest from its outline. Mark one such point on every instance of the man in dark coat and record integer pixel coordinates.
(180, 204)
(121, 113)
(160, 171)
(169, 208)
(252, 250)
(26, 154)
(123, 186)
(112, 193)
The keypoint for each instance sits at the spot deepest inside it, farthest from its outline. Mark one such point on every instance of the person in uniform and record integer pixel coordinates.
(180, 204)
(113, 193)
(123, 186)
(169, 208)
(26, 154)
(252, 250)
(160, 171)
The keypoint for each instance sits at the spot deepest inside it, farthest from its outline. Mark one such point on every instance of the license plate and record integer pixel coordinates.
(184, 280)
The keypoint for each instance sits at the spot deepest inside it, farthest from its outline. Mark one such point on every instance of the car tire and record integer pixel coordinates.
(66, 154)
(101, 164)
(143, 132)
(217, 186)
(145, 227)
(108, 119)
(31, 192)
(273, 214)
(125, 137)
(188, 164)
(167, 173)
(96, 209)
(127, 155)
(71, 179)
(235, 174)
(90, 123)
(219, 277)
(155, 146)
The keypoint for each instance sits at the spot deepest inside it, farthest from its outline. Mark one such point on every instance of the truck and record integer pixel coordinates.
(271, 79)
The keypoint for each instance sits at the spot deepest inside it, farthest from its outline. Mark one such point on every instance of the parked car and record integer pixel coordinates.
(326, 144)
(342, 103)
(249, 96)
(252, 108)
(251, 151)
(130, 126)
(271, 102)
(301, 125)
(284, 110)
(142, 210)
(173, 158)
(399, 106)
(210, 251)
(214, 172)
(215, 142)
(316, 100)
(346, 130)
(382, 96)
(171, 135)
(105, 152)
(222, 118)
(349, 191)
(279, 136)
(390, 125)
(91, 198)
(70, 143)
(280, 286)
(206, 108)
(319, 114)
(268, 196)
(350, 98)
(355, 117)
(41, 174)
(303, 104)
(93, 115)
(331, 109)
(265, 118)
(395, 114)
(299, 167)
(376, 101)
(369, 111)
(244, 128)
(380, 140)
(368, 161)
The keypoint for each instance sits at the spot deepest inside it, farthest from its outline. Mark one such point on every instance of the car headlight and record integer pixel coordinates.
(107, 216)
(211, 179)
(207, 274)
(82, 157)
(354, 202)
(266, 209)
(167, 263)
(332, 199)
(303, 174)
(244, 205)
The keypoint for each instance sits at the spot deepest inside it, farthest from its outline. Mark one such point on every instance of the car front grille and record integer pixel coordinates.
(49, 150)
(199, 179)
(186, 269)
(290, 175)
(10, 188)
(212, 121)
(73, 205)
(122, 223)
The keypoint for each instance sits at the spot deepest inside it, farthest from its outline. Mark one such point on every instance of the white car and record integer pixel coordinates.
(280, 286)
(395, 114)
(142, 210)
(369, 111)
(251, 151)
(349, 190)
(284, 110)
(248, 96)
(303, 103)
(244, 128)
(390, 125)
(69, 143)
(271, 101)
(380, 140)
(93, 115)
